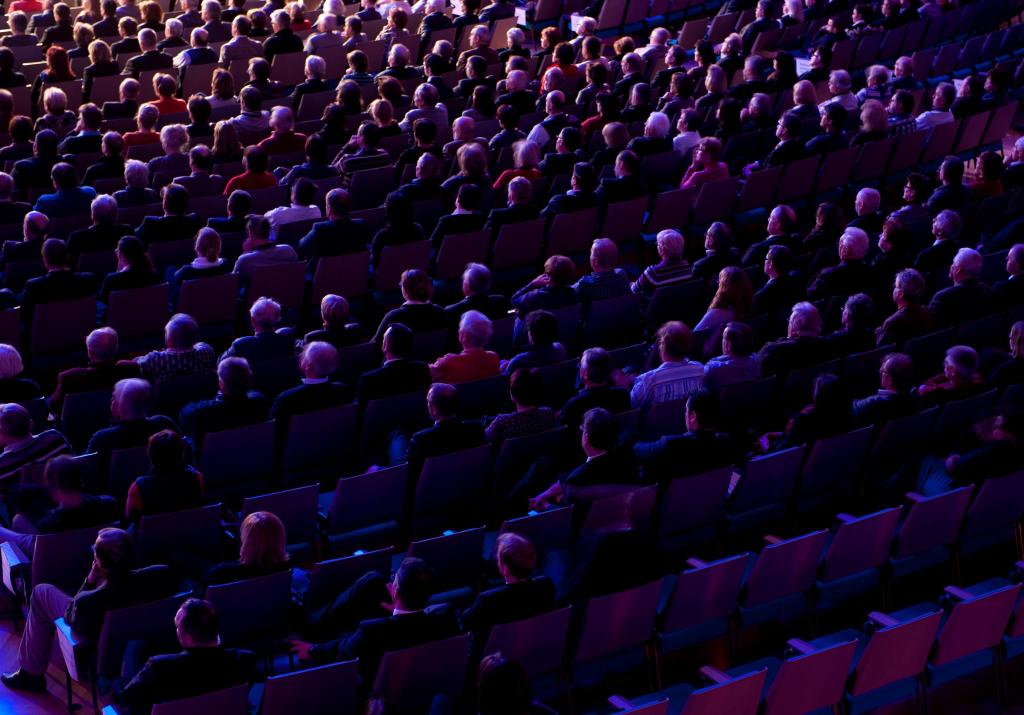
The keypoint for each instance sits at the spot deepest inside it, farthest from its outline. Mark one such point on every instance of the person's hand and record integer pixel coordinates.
(301, 649)
(951, 461)
(542, 281)
(763, 443)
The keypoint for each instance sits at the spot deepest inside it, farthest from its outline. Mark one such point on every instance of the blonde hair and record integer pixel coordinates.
(526, 154)
(54, 100)
(99, 52)
(263, 540)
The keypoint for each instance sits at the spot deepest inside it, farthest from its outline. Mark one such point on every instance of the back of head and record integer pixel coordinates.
(320, 359)
(526, 387)
(15, 422)
(263, 540)
(265, 313)
(414, 584)
(114, 552)
(600, 428)
(199, 622)
(63, 473)
(181, 331)
(674, 340)
(132, 398)
(597, 363)
(167, 451)
(444, 399)
(503, 687)
(235, 376)
(399, 340)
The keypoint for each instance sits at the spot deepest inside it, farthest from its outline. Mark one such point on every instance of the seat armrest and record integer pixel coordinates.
(882, 619)
(620, 702)
(771, 539)
(714, 675)
(800, 646)
(845, 518)
(957, 593)
(696, 563)
(73, 648)
(13, 563)
(914, 497)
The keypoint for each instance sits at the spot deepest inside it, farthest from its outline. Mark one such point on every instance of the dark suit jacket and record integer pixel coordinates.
(14, 212)
(309, 398)
(937, 258)
(396, 377)
(843, 280)
(881, 407)
(456, 223)
(1009, 292)
(96, 238)
(106, 167)
(188, 673)
(418, 317)
(156, 229)
(779, 357)
(515, 213)
(962, 302)
(16, 251)
(615, 467)
(55, 286)
(220, 413)
(95, 376)
(124, 280)
(444, 437)
(620, 189)
(146, 62)
(120, 110)
(508, 603)
(904, 324)
(129, 433)
(756, 252)
(335, 238)
(684, 454)
(376, 637)
(778, 295)
(262, 346)
(494, 307)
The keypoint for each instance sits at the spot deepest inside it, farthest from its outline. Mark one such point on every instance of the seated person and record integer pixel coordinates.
(802, 347)
(598, 390)
(1009, 367)
(130, 424)
(676, 377)
(696, 451)
(134, 270)
(336, 330)
(912, 318)
(738, 361)
(73, 508)
(203, 665)
(14, 386)
(476, 289)
(672, 268)
(111, 582)
(606, 279)
(475, 362)
(897, 396)
(101, 373)
(448, 433)
(317, 363)
(184, 354)
(541, 334)
(530, 417)
(236, 405)
(172, 483)
(959, 378)
(261, 551)
(828, 415)
(267, 342)
(418, 312)
(996, 453)
(399, 374)
(397, 618)
(549, 291)
(208, 261)
(606, 462)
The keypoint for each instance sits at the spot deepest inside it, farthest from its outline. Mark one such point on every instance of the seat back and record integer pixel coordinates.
(769, 479)
(230, 701)
(835, 462)
(457, 250)
(860, 544)
(394, 260)
(284, 282)
(63, 559)
(406, 412)
(538, 643)
(454, 556)
(253, 609)
(210, 300)
(932, 522)
(126, 465)
(368, 499)
(173, 393)
(613, 321)
(975, 624)
(737, 696)
(959, 415)
(161, 536)
(329, 578)
(152, 622)
(409, 679)
(332, 688)
(694, 502)
(341, 275)
(570, 234)
(451, 489)
(82, 414)
(895, 653)
(518, 244)
(997, 505)
(618, 621)
(809, 682)
(902, 437)
(705, 593)
(517, 454)
(547, 530)
(296, 508)
(239, 459)
(62, 325)
(320, 444)
(624, 220)
(784, 568)
(611, 507)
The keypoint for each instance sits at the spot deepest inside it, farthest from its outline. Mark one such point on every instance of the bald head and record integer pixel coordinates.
(868, 201)
(35, 226)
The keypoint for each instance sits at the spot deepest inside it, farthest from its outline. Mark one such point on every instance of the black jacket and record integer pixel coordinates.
(962, 302)
(396, 377)
(309, 398)
(508, 603)
(334, 238)
(683, 455)
(444, 437)
(191, 672)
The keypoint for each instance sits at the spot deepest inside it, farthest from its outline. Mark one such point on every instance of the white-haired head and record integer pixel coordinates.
(101, 345)
(853, 244)
(966, 265)
(265, 314)
(804, 321)
(657, 125)
(319, 360)
(475, 329)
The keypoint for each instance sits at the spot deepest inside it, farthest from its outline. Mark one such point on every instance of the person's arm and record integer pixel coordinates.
(133, 503)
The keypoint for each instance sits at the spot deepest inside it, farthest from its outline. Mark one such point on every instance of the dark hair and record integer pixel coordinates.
(601, 429)
(741, 337)
(133, 250)
(304, 191)
(831, 400)
(599, 365)
(424, 130)
(20, 127)
(400, 339)
(508, 116)
(63, 473)
(167, 452)
(414, 583)
(586, 177)
(900, 369)
(200, 109)
(704, 404)
(953, 168)
(571, 138)
(55, 252)
(469, 197)
(837, 114)
(542, 327)
(255, 159)
(258, 226)
(503, 687)
(630, 161)
(200, 620)
(239, 203)
(175, 199)
(527, 387)
(64, 176)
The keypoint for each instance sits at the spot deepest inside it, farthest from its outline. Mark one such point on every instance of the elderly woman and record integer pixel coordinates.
(174, 162)
(137, 191)
(526, 161)
(57, 116)
(101, 64)
(146, 120)
(475, 362)
(672, 268)
(655, 139)
(14, 387)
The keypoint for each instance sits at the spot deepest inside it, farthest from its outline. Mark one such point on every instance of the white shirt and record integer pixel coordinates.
(684, 142)
(289, 214)
(847, 101)
(933, 118)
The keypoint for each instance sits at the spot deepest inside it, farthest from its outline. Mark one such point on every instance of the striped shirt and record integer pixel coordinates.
(162, 364)
(662, 274)
(667, 382)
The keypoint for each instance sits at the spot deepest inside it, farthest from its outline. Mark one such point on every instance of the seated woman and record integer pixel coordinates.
(829, 414)
(475, 362)
(733, 300)
(136, 191)
(134, 270)
(14, 387)
(261, 553)
(707, 166)
(146, 119)
(959, 378)
(1009, 368)
(542, 335)
(530, 417)
(672, 268)
(208, 261)
(172, 483)
(526, 158)
(57, 116)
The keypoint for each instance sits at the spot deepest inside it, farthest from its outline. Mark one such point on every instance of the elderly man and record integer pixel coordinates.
(183, 354)
(868, 206)
(912, 318)
(839, 86)
(283, 40)
(475, 362)
(802, 347)
(519, 206)
(11, 211)
(463, 132)
(131, 425)
(781, 227)
(199, 53)
(968, 298)
(34, 228)
(941, 111)
(676, 377)
(259, 251)
(657, 47)
(267, 343)
(936, 258)
(201, 181)
(655, 139)
(68, 199)
(59, 283)
(283, 138)
(20, 446)
(150, 59)
(103, 234)
(852, 275)
(447, 434)
(318, 363)
(190, 16)
(111, 583)
(897, 396)
(302, 208)
(326, 34)
(399, 373)
(556, 120)
(426, 100)
(339, 235)
(102, 372)
(479, 46)
(127, 104)
(435, 19)
(216, 29)
(240, 46)
(476, 291)
(606, 279)
(236, 404)
(1010, 292)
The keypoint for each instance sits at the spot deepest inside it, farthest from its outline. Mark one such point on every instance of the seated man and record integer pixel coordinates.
(802, 347)
(20, 446)
(318, 363)
(203, 666)
(68, 198)
(606, 462)
(544, 348)
(336, 330)
(959, 378)
(236, 405)
(968, 298)
(417, 312)
(697, 450)
(267, 342)
(111, 583)
(184, 354)
(103, 234)
(596, 369)
(74, 509)
(60, 282)
(676, 377)
(521, 596)
(476, 289)
(399, 374)
(259, 250)
(607, 280)
(131, 426)
(398, 618)
(448, 433)
(102, 372)
(897, 396)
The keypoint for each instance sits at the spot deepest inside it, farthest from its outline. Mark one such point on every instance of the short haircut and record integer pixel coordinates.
(399, 339)
(517, 554)
(527, 387)
(542, 327)
(598, 364)
(235, 374)
(414, 583)
(675, 338)
(15, 421)
(63, 473)
(200, 620)
(900, 369)
(600, 428)
(805, 320)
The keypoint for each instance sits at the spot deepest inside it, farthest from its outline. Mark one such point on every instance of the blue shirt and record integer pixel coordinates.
(66, 203)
